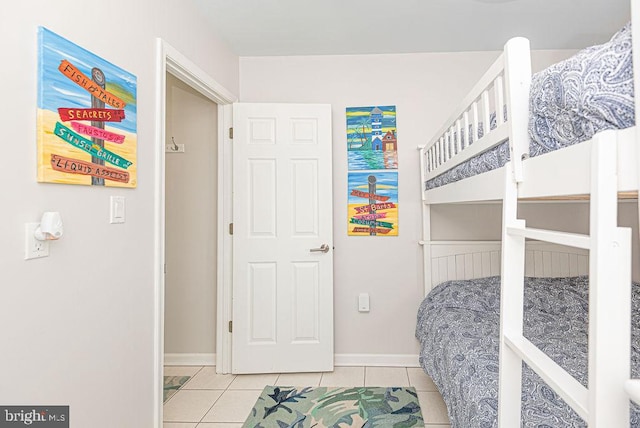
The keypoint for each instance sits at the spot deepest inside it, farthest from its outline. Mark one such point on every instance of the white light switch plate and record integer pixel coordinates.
(117, 210)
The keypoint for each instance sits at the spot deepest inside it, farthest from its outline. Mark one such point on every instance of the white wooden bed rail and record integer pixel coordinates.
(456, 260)
(504, 86)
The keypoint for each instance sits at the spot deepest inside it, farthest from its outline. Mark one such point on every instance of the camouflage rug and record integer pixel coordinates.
(318, 407)
(172, 384)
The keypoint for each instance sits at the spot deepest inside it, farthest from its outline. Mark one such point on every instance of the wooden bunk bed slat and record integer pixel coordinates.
(491, 139)
(485, 187)
(476, 92)
(563, 238)
(569, 182)
(569, 198)
(555, 376)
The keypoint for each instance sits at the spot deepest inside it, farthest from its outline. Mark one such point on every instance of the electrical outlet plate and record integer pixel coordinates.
(363, 302)
(34, 248)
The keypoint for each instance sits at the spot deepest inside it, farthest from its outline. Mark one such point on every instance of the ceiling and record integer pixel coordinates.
(319, 27)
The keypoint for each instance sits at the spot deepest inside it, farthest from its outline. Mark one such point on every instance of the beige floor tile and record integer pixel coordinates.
(181, 370)
(386, 376)
(207, 378)
(299, 379)
(434, 411)
(178, 425)
(258, 381)
(343, 376)
(219, 425)
(426, 426)
(190, 406)
(420, 380)
(233, 406)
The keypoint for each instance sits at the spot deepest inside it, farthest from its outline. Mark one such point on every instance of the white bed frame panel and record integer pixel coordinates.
(600, 168)
(460, 260)
(574, 176)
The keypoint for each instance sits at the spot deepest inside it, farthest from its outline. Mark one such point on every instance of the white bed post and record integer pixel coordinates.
(518, 83)
(511, 307)
(609, 292)
(635, 40)
(634, 385)
(426, 236)
(426, 225)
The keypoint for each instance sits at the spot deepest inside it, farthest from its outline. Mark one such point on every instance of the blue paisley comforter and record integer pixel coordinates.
(569, 102)
(458, 329)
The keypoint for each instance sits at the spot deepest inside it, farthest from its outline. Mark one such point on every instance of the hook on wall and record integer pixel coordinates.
(173, 147)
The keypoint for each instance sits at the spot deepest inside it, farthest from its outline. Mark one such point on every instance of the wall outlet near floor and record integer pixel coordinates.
(34, 248)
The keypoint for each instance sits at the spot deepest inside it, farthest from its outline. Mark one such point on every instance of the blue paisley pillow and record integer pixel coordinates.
(590, 92)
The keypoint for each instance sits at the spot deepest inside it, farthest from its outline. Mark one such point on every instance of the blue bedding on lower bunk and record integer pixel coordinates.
(458, 329)
(569, 103)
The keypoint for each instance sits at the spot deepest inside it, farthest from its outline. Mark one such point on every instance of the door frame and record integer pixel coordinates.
(170, 60)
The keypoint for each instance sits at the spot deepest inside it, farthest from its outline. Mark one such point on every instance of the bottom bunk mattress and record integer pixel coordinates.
(458, 329)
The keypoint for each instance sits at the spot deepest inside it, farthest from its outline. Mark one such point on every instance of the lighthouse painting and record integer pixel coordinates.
(371, 138)
(372, 148)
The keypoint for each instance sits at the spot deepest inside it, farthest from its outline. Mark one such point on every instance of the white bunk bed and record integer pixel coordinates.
(602, 169)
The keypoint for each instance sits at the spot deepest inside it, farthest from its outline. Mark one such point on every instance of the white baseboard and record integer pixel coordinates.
(342, 360)
(377, 360)
(189, 359)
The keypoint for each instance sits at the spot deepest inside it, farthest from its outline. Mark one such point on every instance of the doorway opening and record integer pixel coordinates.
(190, 226)
(172, 63)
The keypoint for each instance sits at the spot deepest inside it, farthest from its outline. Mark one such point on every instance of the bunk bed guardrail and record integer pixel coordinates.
(605, 401)
(502, 92)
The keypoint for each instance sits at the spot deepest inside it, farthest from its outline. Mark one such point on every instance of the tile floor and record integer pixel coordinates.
(210, 400)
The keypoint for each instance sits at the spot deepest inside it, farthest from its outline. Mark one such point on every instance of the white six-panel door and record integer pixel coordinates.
(282, 215)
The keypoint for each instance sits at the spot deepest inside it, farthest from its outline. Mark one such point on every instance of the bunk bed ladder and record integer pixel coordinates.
(604, 403)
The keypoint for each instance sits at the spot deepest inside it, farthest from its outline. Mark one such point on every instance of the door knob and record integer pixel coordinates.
(324, 248)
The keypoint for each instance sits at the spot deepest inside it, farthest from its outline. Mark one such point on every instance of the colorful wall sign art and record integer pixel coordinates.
(371, 138)
(86, 122)
(373, 203)
(372, 148)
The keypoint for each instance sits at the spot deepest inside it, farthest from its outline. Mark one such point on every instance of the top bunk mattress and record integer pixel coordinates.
(569, 103)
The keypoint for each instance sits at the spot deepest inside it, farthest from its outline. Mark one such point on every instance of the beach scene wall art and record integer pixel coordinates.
(373, 203)
(372, 149)
(371, 138)
(86, 122)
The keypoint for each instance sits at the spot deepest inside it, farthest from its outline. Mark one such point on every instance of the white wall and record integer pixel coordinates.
(190, 223)
(425, 88)
(77, 328)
